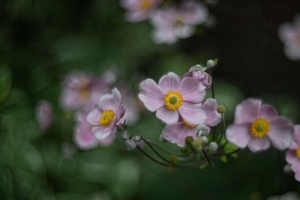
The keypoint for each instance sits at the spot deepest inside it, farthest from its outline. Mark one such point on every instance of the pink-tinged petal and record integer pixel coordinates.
(101, 132)
(177, 133)
(213, 119)
(239, 134)
(183, 31)
(167, 116)
(84, 138)
(280, 134)
(136, 16)
(108, 140)
(294, 146)
(258, 144)
(247, 111)
(151, 95)
(110, 101)
(291, 157)
(296, 134)
(210, 105)
(94, 116)
(164, 35)
(297, 176)
(267, 112)
(192, 90)
(192, 113)
(170, 81)
(296, 166)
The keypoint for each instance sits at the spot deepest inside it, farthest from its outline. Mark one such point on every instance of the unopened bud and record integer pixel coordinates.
(173, 158)
(287, 169)
(130, 144)
(137, 138)
(125, 135)
(189, 139)
(203, 129)
(210, 63)
(213, 146)
(204, 139)
(221, 109)
(197, 143)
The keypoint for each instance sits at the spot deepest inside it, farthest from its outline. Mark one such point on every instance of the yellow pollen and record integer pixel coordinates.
(106, 117)
(178, 22)
(298, 152)
(173, 99)
(84, 93)
(189, 125)
(145, 5)
(260, 128)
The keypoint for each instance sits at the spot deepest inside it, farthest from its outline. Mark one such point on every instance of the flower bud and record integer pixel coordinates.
(137, 138)
(213, 146)
(221, 109)
(287, 169)
(197, 143)
(189, 139)
(130, 144)
(125, 135)
(202, 129)
(204, 139)
(210, 63)
(173, 158)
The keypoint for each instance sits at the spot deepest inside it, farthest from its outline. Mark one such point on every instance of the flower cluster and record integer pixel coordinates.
(289, 34)
(171, 22)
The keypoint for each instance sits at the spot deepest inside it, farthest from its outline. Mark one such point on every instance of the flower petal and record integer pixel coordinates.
(267, 112)
(239, 134)
(257, 144)
(247, 111)
(192, 113)
(101, 132)
(192, 90)
(108, 140)
(280, 134)
(83, 137)
(151, 95)
(94, 116)
(291, 157)
(110, 101)
(213, 119)
(170, 81)
(296, 134)
(167, 116)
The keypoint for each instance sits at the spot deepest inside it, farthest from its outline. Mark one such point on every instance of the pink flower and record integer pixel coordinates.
(44, 114)
(198, 73)
(173, 97)
(258, 125)
(213, 118)
(173, 23)
(293, 155)
(290, 35)
(107, 114)
(83, 136)
(139, 10)
(79, 88)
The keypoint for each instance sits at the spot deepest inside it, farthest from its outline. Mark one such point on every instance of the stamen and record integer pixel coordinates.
(189, 125)
(106, 117)
(298, 152)
(173, 99)
(260, 128)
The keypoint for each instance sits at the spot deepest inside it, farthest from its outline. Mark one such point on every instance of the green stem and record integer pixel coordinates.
(165, 150)
(223, 129)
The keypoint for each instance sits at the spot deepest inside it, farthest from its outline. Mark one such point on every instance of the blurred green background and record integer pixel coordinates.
(41, 41)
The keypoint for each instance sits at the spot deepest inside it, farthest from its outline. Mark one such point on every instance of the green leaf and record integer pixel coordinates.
(230, 147)
(223, 159)
(216, 61)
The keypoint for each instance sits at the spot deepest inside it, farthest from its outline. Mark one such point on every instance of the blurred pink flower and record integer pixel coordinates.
(198, 73)
(173, 97)
(139, 10)
(293, 155)
(173, 23)
(80, 88)
(83, 136)
(44, 114)
(107, 114)
(213, 118)
(289, 33)
(258, 125)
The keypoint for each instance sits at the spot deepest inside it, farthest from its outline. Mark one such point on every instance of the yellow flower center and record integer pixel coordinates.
(260, 128)
(189, 125)
(173, 99)
(178, 21)
(84, 93)
(145, 5)
(106, 117)
(298, 152)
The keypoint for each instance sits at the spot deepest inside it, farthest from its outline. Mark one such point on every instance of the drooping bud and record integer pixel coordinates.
(125, 135)
(204, 139)
(130, 144)
(287, 169)
(137, 138)
(213, 146)
(202, 129)
(189, 139)
(221, 109)
(173, 158)
(197, 143)
(210, 63)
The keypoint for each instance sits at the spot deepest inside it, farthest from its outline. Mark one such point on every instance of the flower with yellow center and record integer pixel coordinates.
(106, 117)
(260, 128)
(189, 125)
(173, 99)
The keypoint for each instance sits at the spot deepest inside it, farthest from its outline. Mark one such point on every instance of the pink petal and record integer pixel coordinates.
(291, 157)
(138, 16)
(151, 95)
(192, 90)
(213, 119)
(192, 113)
(110, 101)
(239, 134)
(210, 105)
(94, 116)
(84, 138)
(280, 134)
(294, 146)
(108, 140)
(296, 134)
(267, 112)
(170, 81)
(101, 132)
(247, 111)
(167, 116)
(258, 144)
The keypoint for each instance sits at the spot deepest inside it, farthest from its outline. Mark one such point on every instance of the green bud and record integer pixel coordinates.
(189, 139)
(221, 109)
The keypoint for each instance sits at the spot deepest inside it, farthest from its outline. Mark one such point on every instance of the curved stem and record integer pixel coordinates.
(223, 128)
(153, 159)
(227, 154)
(166, 150)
